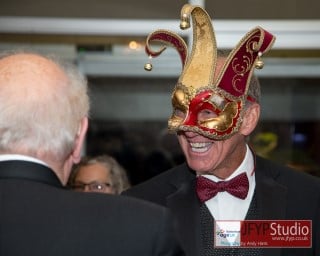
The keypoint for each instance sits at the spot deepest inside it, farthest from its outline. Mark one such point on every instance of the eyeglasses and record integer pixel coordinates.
(92, 186)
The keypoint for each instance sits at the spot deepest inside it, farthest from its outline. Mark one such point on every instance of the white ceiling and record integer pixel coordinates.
(296, 24)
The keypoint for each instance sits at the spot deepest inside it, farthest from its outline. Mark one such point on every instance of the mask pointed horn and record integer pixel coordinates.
(237, 71)
(167, 38)
(200, 66)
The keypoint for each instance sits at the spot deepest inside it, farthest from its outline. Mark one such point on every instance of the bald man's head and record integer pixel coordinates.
(30, 75)
(42, 102)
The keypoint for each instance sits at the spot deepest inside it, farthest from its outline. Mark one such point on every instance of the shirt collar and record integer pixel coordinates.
(247, 166)
(6, 157)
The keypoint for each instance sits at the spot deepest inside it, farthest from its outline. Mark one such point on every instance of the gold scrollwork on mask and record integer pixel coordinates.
(243, 65)
(224, 121)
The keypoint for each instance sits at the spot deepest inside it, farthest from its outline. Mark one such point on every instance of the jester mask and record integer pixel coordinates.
(207, 100)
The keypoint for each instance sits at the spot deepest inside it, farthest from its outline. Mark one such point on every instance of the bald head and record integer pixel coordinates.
(30, 75)
(42, 104)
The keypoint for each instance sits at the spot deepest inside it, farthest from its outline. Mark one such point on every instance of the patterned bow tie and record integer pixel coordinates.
(238, 187)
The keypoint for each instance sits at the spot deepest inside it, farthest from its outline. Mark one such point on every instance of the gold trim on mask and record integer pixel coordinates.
(224, 121)
(199, 71)
(200, 87)
(230, 114)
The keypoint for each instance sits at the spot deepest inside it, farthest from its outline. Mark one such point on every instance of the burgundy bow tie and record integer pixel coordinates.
(238, 187)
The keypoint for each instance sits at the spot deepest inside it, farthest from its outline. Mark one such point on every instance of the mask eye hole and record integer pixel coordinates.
(206, 114)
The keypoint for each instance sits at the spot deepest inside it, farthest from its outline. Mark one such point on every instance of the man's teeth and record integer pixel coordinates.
(200, 146)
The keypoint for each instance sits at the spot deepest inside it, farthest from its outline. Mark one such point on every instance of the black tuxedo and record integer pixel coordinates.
(277, 196)
(38, 217)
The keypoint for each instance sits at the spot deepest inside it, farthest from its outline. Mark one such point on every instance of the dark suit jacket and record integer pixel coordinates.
(281, 193)
(38, 217)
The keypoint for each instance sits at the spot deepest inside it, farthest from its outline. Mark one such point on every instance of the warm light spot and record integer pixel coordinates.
(133, 45)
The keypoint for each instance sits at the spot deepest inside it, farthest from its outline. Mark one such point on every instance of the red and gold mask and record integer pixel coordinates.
(205, 101)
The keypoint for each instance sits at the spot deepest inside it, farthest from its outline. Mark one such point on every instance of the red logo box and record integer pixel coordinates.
(264, 233)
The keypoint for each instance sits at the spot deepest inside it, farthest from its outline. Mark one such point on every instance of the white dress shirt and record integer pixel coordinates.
(10, 157)
(225, 206)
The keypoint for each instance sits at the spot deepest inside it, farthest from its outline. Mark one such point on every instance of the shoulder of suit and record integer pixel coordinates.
(284, 173)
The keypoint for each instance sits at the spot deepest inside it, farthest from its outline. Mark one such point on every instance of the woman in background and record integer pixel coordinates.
(101, 174)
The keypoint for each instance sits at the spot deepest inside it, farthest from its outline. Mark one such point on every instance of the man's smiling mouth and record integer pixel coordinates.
(200, 147)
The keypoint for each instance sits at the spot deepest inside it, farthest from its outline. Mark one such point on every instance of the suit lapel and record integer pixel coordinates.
(186, 206)
(271, 198)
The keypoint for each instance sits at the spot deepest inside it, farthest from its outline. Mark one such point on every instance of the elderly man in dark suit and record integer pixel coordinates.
(215, 108)
(43, 121)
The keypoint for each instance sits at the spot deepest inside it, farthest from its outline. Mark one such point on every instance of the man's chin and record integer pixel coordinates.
(199, 168)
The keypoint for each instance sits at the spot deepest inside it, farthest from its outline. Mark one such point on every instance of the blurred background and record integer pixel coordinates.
(130, 106)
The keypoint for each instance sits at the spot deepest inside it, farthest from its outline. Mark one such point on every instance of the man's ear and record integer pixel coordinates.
(250, 119)
(81, 135)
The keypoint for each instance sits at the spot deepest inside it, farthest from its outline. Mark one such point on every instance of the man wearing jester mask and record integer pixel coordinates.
(215, 108)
